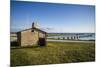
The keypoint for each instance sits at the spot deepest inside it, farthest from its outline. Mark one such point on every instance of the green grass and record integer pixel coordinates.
(53, 53)
(56, 34)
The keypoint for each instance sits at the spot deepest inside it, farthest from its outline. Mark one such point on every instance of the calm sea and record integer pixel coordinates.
(82, 36)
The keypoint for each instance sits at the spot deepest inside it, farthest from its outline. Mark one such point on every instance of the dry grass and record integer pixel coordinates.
(53, 53)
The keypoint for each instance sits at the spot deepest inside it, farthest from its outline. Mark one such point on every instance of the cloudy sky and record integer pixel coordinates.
(53, 17)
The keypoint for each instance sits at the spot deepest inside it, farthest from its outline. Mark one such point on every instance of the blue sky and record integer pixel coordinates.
(53, 17)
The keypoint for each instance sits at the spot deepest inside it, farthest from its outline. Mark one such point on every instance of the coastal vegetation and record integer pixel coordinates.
(53, 53)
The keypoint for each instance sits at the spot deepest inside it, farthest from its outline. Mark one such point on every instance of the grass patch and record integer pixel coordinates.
(53, 53)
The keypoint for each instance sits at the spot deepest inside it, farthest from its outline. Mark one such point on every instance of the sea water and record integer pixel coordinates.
(82, 36)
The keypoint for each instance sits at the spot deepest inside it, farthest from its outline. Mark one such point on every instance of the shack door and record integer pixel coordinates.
(42, 42)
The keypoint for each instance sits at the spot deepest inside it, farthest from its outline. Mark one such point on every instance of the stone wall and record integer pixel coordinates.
(29, 37)
(41, 35)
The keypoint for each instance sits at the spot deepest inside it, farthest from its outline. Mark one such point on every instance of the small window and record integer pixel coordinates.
(32, 30)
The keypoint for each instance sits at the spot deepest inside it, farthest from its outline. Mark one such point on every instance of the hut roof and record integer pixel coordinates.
(31, 29)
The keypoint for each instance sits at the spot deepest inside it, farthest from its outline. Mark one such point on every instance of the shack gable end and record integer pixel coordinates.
(30, 37)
